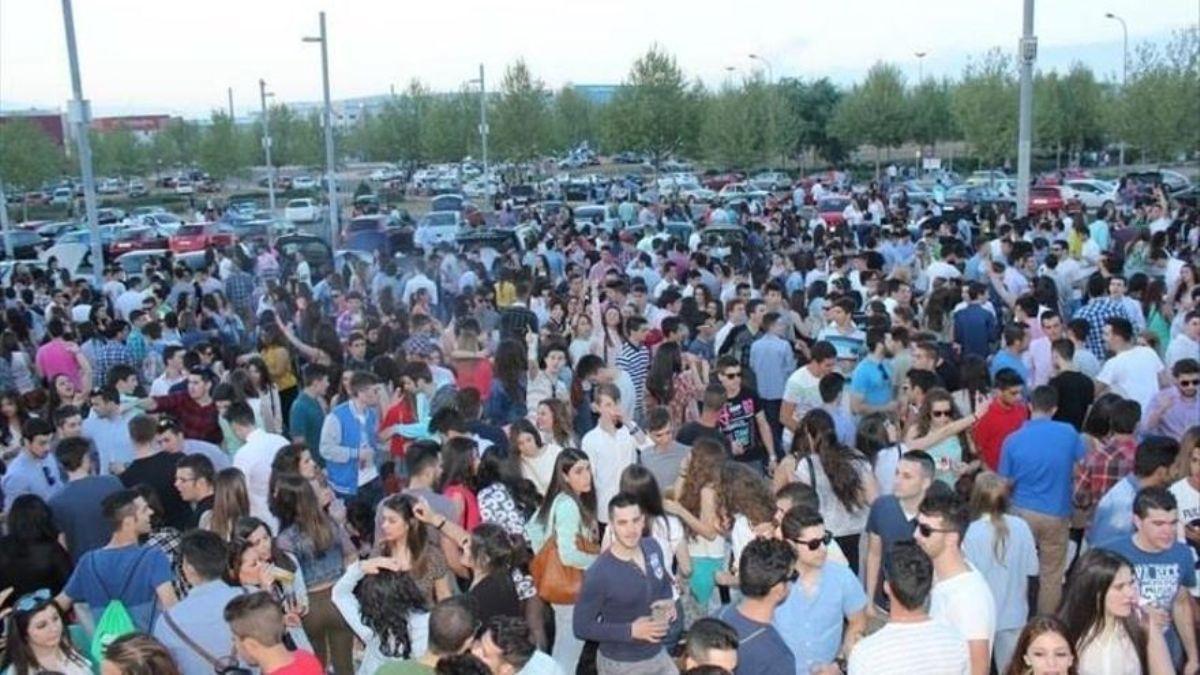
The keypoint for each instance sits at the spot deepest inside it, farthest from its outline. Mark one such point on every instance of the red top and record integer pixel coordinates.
(303, 663)
(475, 373)
(996, 424)
(197, 421)
(401, 412)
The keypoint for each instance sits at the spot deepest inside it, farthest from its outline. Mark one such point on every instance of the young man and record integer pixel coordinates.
(1164, 569)
(194, 483)
(709, 424)
(254, 458)
(505, 646)
(772, 360)
(891, 521)
(189, 624)
(743, 420)
(766, 572)
(1005, 415)
(847, 338)
(831, 387)
(309, 409)
(155, 467)
(68, 423)
(1134, 371)
(1016, 342)
(635, 360)
(960, 598)
(1095, 315)
(825, 594)
(1039, 460)
(1176, 408)
(1186, 343)
(974, 325)
(76, 505)
(33, 471)
(109, 431)
(139, 576)
(801, 392)
(665, 455)
(711, 643)
(625, 604)
(871, 387)
(451, 627)
(1076, 391)
(611, 446)
(256, 622)
(911, 639)
(195, 408)
(1041, 356)
(1151, 468)
(424, 472)
(173, 372)
(350, 441)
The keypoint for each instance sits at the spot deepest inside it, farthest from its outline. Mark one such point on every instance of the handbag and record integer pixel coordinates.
(557, 583)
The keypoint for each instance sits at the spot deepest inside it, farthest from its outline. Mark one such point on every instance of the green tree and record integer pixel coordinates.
(448, 129)
(808, 111)
(119, 153)
(726, 133)
(875, 112)
(930, 116)
(985, 107)
(653, 112)
(1081, 97)
(1159, 107)
(176, 145)
(28, 156)
(223, 150)
(520, 118)
(575, 119)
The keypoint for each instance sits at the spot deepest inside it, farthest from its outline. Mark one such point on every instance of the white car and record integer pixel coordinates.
(304, 183)
(166, 223)
(385, 174)
(437, 227)
(771, 181)
(1092, 193)
(985, 177)
(109, 186)
(301, 210)
(62, 196)
(184, 186)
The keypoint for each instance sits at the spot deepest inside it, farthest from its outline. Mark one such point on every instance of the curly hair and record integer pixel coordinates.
(704, 470)
(744, 491)
(385, 600)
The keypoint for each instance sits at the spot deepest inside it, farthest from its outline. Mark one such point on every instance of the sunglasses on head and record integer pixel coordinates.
(941, 413)
(814, 544)
(30, 600)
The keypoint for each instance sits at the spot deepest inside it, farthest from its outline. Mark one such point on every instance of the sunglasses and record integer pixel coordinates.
(928, 530)
(941, 413)
(167, 424)
(31, 600)
(814, 544)
(1189, 383)
(732, 375)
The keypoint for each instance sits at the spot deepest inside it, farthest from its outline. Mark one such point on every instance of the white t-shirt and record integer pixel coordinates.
(940, 269)
(886, 462)
(1133, 374)
(964, 603)
(1181, 347)
(901, 648)
(1188, 499)
(608, 454)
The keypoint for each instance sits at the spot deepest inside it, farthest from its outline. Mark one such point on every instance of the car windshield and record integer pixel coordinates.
(189, 230)
(130, 233)
(298, 204)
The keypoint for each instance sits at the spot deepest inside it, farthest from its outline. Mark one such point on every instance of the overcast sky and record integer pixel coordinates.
(178, 57)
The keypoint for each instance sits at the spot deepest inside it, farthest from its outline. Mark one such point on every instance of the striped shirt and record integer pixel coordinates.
(636, 362)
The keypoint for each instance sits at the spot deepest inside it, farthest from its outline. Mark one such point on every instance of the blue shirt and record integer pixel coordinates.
(1004, 359)
(194, 615)
(131, 574)
(888, 521)
(772, 360)
(761, 650)
(974, 327)
(1007, 577)
(615, 593)
(110, 435)
(28, 475)
(1039, 459)
(1159, 576)
(873, 381)
(811, 624)
(1114, 512)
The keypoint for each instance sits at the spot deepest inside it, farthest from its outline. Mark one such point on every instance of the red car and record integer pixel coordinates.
(831, 208)
(720, 180)
(135, 238)
(199, 236)
(1043, 198)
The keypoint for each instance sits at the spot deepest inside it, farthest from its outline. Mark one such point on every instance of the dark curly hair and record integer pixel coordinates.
(385, 600)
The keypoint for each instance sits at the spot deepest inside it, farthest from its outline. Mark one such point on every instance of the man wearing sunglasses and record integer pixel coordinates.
(825, 594)
(960, 597)
(33, 471)
(766, 572)
(1176, 409)
(743, 419)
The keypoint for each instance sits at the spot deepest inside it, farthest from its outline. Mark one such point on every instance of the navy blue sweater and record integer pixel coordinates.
(615, 593)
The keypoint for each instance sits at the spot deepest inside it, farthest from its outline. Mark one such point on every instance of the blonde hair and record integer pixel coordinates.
(989, 498)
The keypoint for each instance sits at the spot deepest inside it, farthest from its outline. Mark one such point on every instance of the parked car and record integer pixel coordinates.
(199, 236)
(1094, 193)
(772, 181)
(985, 177)
(51, 231)
(62, 196)
(448, 202)
(137, 188)
(437, 227)
(184, 186)
(166, 223)
(304, 183)
(314, 250)
(830, 209)
(522, 195)
(109, 216)
(303, 210)
(134, 238)
(27, 244)
(134, 262)
(1043, 198)
(627, 158)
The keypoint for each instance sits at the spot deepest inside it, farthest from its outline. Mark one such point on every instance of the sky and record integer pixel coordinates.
(177, 57)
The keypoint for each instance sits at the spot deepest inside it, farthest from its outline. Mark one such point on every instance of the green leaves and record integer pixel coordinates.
(28, 157)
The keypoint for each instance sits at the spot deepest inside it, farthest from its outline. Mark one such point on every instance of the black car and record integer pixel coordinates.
(522, 194)
(27, 244)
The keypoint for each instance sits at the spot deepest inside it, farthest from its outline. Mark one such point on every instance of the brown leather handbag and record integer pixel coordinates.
(557, 583)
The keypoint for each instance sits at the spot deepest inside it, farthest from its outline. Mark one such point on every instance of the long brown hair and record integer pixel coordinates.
(925, 418)
(1037, 627)
(563, 464)
(703, 470)
(295, 503)
(818, 436)
(990, 497)
(417, 539)
(744, 491)
(230, 502)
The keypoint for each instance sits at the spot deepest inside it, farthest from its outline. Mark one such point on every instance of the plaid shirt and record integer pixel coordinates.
(136, 342)
(1103, 468)
(167, 540)
(110, 353)
(1097, 312)
(239, 288)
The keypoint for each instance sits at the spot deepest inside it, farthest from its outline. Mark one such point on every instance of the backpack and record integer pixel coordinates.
(115, 621)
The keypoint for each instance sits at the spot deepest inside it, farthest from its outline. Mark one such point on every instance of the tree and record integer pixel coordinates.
(175, 145)
(1159, 107)
(727, 135)
(808, 110)
(222, 150)
(28, 156)
(448, 130)
(575, 119)
(930, 116)
(520, 116)
(875, 112)
(985, 107)
(119, 153)
(653, 112)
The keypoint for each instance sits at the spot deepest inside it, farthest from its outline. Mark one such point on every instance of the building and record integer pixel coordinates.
(52, 122)
(144, 127)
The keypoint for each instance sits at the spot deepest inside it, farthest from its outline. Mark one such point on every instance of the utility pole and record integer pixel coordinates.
(1124, 75)
(920, 66)
(229, 90)
(8, 247)
(266, 143)
(330, 156)
(80, 115)
(483, 125)
(1028, 54)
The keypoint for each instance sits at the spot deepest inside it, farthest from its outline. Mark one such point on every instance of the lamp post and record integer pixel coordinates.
(771, 93)
(1027, 54)
(920, 65)
(1124, 73)
(483, 125)
(266, 143)
(80, 115)
(330, 157)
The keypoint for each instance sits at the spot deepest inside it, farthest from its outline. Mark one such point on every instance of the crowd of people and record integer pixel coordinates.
(911, 440)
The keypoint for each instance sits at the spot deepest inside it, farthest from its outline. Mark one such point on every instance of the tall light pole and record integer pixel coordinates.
(483, 125)
(8, 247)
(266, 143)
(330, 161)
(80, 114)
(770, 70)
(771, 94)
(1124, 73)
(1027, 54)
(920, 65)
(229, 90)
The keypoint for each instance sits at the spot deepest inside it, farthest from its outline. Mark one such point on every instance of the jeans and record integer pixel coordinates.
(1050, 533)
(566, 647)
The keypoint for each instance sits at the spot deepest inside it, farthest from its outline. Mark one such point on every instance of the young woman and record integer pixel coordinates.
(675, 381)
(748, 507)
(505, 497)
(231, 502)
(273, 348)
(568, 513)
(536, 459)
(954, 453)
(1100, 612)
(38, 640)
(12, 418)
(19, 363)
(256, 562)
(322, 549)
(493, 555)
(842, 477)
(295, 458)
(506, 402)
(385, 609)
(30, 556)
(403, 537)
(581, 338)
(553, 422)
(696, 503)
(270, 401)
(1043, 648)
(460, 456)
(137, 654)
(1001, 547)
(472, 362)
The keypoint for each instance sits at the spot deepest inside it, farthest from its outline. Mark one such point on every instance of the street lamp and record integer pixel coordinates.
(770, 70)
(1124, 70)
(920, 65)
(330, 161)
(483, 125)
(263, 95)
(80, 114)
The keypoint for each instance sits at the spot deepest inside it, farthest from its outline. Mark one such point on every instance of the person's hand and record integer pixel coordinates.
(376, 565)
(737, 448)
(4, 595)
(672, 507)
(647, 629)
(365, 455)
(982, 403)
(1192, 533)
(1191, 667)
(1155, 618)
(423, 512)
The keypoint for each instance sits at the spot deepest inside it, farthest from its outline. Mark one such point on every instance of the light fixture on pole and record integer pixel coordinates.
(1124, 72)
(263, 94)
(80, 116)
(330, 157)
(770, 70)
(920, 65)
(483, 124)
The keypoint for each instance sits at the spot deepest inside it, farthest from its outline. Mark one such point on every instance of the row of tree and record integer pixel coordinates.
(660, 112)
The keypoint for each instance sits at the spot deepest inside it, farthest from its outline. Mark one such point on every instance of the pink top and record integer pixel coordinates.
(56, 357)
